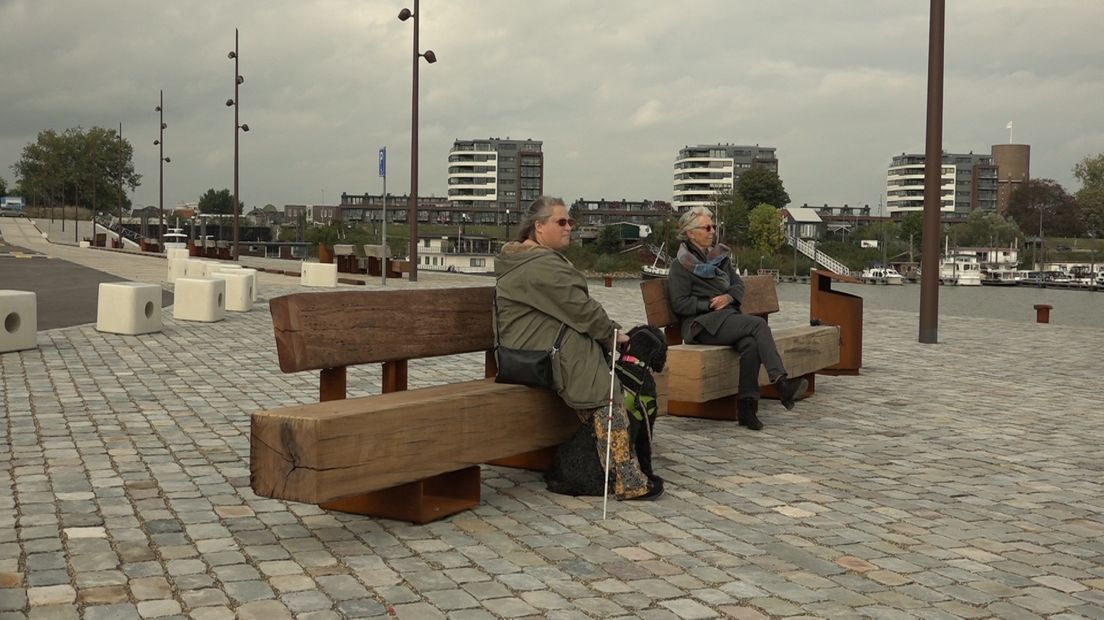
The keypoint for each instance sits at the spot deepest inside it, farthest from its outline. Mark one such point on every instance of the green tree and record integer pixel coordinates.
(912, 227)
(765, 228)
(759, 185)
(78, 166)
(3, 187)
(220, 202)
(1045, 199)
(982, 229)
(1090, 198)
(731, 216)
(609, 239)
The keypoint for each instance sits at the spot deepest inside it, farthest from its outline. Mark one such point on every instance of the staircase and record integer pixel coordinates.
(820, 258)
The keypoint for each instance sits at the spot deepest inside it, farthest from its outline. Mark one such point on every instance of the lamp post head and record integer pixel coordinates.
(430, 56)
(157, 108)
(229, 103)
(244, 127)
(405, 14)
(241, 80)
(156, 142)
(164, 125)
(168, 160)
(232, 55)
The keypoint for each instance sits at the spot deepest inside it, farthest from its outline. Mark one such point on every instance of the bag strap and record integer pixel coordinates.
(555, 346)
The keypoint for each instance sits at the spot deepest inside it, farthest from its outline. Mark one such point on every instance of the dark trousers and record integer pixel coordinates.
(753, 340)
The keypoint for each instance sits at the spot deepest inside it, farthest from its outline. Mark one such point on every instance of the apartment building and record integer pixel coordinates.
(491, 178)
(968, 181)
(703, 171)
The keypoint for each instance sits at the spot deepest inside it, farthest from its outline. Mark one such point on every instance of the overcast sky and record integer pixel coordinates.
(614, 88)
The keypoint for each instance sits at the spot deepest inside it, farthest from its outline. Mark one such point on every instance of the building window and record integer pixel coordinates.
(478, 262)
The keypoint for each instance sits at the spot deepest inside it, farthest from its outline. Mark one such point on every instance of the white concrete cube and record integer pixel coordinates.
(178, 268)
(200, 299)
(252, 273)
(318, 274)
(128, 308)
(172, 253)
(195, 268)
(85, 244)
(239, 289)
(210, 267)
(18, 321)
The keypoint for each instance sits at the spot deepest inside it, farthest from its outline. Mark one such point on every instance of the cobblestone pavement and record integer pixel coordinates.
(953, 480)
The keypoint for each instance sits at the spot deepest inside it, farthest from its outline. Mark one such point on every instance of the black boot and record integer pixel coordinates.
(788, 390)
(745, 414)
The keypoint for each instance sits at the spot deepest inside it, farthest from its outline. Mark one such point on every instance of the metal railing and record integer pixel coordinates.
(808, 249)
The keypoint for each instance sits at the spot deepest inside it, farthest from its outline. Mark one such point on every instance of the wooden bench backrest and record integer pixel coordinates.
(760, 298)
(318, 331)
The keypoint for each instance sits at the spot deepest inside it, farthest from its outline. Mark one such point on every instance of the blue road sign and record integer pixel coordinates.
(383, 162)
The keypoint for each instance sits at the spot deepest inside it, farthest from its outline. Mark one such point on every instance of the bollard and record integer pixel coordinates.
(1042, 313)
(609, 281)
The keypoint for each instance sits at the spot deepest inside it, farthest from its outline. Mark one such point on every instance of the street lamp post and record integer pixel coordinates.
(507, 224)
(412, 206)
(162, 160)
(236, 104)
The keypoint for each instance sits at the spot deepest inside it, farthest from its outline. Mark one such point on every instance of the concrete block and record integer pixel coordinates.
(128, 308)
(318, 274)
(213, 266)
(195, 268)
(252, 273)
(18, 320)
(85, 244)
(200, 299)
(239, 289)
(172, 253)
(177, 268)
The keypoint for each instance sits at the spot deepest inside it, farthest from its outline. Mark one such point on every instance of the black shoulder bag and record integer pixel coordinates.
(526, 366)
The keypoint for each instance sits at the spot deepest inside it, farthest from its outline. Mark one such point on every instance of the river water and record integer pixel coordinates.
(1011, 303)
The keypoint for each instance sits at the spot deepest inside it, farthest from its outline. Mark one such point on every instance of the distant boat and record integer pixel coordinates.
(175, 238)
(879, 274)
(1001, 277)
(654, 271)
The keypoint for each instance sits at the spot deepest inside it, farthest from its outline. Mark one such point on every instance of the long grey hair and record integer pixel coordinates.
(539, 211)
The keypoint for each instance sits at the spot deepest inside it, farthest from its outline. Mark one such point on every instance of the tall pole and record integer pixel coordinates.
(122, 164)
(383, 223)
(412, 206)
(1042, 241)
(237, 126)
(161, 166)
(933, 175)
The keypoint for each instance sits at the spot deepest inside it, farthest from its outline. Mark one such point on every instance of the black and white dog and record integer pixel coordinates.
(577, 469)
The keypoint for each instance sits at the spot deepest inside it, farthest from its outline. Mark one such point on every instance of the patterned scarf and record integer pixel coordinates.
(692, 259)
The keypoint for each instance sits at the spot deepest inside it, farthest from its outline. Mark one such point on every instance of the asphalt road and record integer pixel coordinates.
(67, 292)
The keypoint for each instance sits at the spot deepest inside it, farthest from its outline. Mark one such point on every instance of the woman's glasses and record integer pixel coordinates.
(707, 227)
(565, 221)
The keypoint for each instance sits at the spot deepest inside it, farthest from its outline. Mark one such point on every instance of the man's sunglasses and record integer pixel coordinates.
(565, 221)
(708, 227)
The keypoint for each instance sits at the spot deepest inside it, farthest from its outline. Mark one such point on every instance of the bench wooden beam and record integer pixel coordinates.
(343, 448)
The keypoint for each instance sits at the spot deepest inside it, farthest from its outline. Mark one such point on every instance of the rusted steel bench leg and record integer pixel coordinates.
(716, 409)
(536, 460)
(769, 391)
(418, 502)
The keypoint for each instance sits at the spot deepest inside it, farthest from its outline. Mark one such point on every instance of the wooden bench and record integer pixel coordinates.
(408, 454)
(702, 380)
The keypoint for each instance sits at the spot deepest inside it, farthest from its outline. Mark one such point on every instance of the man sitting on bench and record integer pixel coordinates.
(705, 291)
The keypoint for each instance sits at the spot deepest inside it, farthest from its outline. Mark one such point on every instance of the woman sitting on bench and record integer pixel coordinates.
(537, 291)
(705, 292)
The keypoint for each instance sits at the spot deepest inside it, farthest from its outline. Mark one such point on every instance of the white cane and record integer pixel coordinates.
(609, 423)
